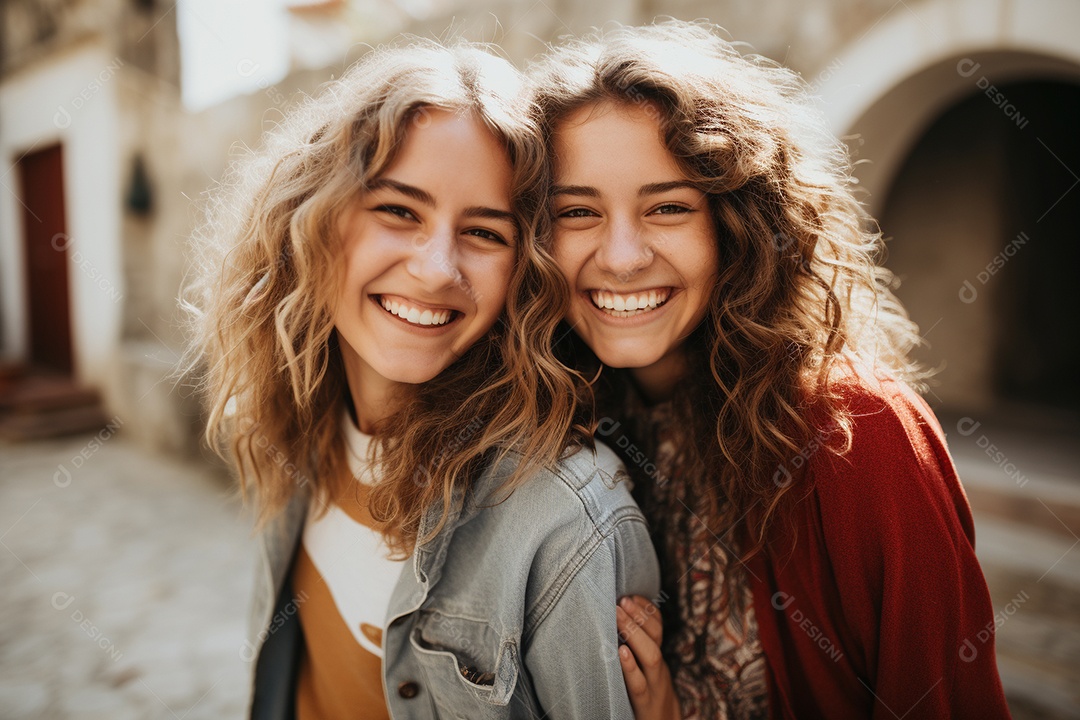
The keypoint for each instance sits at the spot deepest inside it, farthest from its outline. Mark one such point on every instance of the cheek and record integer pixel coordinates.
(353, 277)
(490, 281)
(565, 260)
(707, 273)
(349, 284)
(703, 256)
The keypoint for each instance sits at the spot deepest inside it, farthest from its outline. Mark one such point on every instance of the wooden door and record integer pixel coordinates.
(46, 243)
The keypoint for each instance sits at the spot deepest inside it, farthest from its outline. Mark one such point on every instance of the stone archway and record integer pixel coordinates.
(981, 222)
(884, 89)
(932, 100)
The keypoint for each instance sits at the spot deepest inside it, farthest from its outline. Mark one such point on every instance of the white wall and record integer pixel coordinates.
(69, 97)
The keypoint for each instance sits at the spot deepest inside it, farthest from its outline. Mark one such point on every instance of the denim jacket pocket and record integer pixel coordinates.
(472, 672)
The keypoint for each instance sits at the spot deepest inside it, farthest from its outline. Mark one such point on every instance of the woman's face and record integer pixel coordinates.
(634, 238)
(429, 249)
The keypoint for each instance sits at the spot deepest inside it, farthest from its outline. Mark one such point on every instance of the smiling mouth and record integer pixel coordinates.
(639, 303)
(416, 315)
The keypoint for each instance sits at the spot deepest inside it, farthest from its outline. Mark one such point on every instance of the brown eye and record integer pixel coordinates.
(396, 210)
(578, 212)
(672, 209)
(487, 235)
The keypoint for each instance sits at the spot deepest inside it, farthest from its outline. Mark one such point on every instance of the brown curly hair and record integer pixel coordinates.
(268, 266)
(801, 301)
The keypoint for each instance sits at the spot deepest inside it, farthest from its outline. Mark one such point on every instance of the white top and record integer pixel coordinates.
(349, 554)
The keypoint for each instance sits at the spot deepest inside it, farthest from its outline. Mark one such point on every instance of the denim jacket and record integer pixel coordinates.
(509, 612)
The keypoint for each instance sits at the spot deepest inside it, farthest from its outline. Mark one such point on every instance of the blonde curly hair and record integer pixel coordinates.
(268, 269)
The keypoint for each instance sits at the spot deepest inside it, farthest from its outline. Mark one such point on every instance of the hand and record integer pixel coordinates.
(648, 680)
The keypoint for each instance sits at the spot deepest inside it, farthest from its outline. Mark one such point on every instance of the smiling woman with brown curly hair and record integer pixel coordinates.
(816, 545)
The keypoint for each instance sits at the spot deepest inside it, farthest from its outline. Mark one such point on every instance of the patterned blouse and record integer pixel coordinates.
(718, 667)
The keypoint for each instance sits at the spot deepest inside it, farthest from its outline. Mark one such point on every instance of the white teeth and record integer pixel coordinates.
(627, 305)
(415, 315)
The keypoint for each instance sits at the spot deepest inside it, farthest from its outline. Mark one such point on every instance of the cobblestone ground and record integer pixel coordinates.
(125, 585)
(126, 580)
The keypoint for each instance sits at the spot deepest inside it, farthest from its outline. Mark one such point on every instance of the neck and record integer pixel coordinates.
(657, 381)
(374, 397)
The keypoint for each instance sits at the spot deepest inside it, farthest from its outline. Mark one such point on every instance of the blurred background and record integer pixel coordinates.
(127, 561)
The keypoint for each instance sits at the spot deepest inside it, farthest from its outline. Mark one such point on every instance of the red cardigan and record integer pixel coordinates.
(870, 602)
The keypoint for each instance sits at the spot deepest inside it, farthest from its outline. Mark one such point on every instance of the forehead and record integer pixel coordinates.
(452, 149)
(607, 142)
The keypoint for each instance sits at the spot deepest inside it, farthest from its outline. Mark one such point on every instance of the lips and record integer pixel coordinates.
(415, 313)
(629, 304)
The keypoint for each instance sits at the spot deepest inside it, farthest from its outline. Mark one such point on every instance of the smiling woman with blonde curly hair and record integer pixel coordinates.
(376, 322)
(816, 545)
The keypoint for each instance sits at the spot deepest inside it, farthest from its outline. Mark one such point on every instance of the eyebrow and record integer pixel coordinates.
(489, 213)
(644, 190)
(663, 187)
(412, 191)
(423, 196)
(582, 190)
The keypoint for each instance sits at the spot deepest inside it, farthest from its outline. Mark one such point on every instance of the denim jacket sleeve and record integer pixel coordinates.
(572, 656)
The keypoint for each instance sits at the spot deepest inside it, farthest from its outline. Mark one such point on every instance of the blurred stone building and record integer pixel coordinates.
(115, 115)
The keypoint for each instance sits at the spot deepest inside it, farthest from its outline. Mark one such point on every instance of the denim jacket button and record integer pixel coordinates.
(408, 689)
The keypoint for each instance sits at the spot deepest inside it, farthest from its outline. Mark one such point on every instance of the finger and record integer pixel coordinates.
(646, 651)
(646, 615)
(655, 620)
(637, 687)
(626, 624)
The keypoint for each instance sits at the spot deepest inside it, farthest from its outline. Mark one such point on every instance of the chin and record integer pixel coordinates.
(408, 373)
(417, 378)
(627, 358)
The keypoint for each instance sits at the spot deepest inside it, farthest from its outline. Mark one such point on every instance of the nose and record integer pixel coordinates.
(434, 259)
(624, 250)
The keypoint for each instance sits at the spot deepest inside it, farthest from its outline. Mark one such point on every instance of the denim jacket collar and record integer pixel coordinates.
(428, 559)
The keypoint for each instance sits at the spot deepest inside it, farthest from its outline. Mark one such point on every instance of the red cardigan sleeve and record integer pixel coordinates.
(870, 601)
